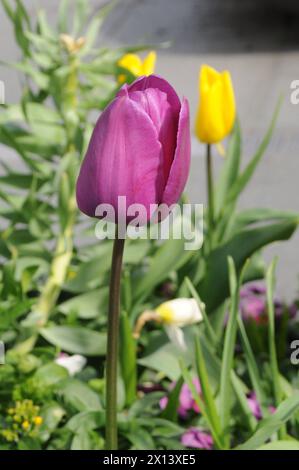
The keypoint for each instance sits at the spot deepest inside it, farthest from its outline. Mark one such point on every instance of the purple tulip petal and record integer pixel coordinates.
(139, 150)
(124, 158)
(154, 81)
(181, 164)
(155, 104)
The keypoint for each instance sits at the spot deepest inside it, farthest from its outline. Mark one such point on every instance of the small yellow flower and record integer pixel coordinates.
(217, 109)
(38, 420)
(25, 425)
(136, 66)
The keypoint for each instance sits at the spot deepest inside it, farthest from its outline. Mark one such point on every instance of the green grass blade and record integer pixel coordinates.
(210, 331)
(252, 366)
(200, 403)
(206, 388)
(241, 397)
(270, 281)
(228, 350)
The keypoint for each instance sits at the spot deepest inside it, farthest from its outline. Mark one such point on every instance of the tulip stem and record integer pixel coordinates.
(210, 186)
(112, 344)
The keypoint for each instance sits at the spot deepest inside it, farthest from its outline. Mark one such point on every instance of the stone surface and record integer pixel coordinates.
(258, 42)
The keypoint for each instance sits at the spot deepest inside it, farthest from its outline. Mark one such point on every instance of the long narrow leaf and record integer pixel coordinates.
(245, 177)
(210, 332)
(270, 425)
(206, 388)
(228, 349)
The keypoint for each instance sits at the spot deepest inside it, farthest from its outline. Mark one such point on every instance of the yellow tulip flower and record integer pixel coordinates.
(136, 66)
(217, 109)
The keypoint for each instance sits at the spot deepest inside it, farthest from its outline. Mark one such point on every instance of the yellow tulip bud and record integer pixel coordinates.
(217, 109)
(137, 67)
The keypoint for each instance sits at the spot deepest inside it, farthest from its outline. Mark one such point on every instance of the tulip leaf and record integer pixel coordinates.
(229, 347)
(242, 181)
(214, 287)
(259, 215)
(230, 168)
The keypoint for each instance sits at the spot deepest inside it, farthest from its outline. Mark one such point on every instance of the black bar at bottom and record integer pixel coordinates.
(148, 458)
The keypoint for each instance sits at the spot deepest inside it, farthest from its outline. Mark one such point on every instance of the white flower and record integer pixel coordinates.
(73, 364)
(176, 314)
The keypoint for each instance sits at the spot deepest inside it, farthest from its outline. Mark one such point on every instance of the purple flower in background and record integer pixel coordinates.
(197, 439)
(186, 401)
(253, 304)
(255, 406)
(140, 149)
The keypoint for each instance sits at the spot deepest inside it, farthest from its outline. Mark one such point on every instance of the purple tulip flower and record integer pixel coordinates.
(140, 149)
(197, 439)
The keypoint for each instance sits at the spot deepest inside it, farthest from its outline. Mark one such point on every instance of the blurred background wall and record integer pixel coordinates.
(258, 41)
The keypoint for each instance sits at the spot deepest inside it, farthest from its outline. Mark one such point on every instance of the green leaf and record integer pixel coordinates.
(252, 366)
(90, 274)
(245, 177)
(210, 332)
(238, 387)
(258, 215)
(18, 180)
(228, 351)
(163, 360)
(141, 439)
(291, 444)
(269, 426)
(63, 15)
(75, 339)
(169, 257)
(214, 288)
(207, 393)
(89, 419)
(87, 306)
(230, 168)
(50, 374)
(270, 281)
(82, 10)
(79, 396)
(171, 410)
(202, 406)
(52, 415)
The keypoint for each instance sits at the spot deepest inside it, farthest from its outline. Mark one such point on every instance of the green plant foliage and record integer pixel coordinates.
(54, 276)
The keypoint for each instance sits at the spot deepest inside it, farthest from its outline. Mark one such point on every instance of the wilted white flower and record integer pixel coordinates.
(73, 364)
(174, 315)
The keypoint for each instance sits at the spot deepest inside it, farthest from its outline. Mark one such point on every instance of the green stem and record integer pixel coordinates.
(112, 344)
(210, 185)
